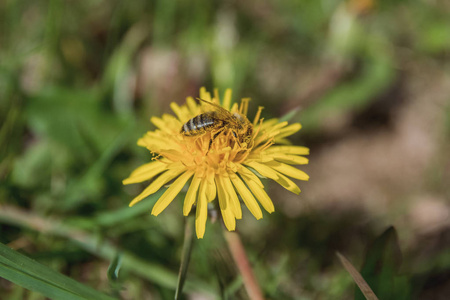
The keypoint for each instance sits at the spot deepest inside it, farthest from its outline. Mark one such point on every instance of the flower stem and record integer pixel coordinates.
(240, 258)
(186, 255)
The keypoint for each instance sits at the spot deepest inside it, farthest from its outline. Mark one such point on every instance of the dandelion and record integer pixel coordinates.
(219, 162)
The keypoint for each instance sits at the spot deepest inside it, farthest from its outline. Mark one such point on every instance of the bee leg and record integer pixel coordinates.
(236, 138)
(210, 143)
(213, 138)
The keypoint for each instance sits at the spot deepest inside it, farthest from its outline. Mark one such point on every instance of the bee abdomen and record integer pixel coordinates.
(198, 124)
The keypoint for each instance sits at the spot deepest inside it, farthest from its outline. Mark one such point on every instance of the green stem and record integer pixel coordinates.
(186, 255)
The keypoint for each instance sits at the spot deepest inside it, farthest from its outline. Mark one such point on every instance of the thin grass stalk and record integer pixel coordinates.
(240, 258)
(186, 255)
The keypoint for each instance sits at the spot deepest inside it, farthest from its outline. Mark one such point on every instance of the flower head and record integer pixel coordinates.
(222, 154)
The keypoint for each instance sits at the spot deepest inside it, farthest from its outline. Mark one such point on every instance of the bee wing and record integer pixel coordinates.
(219, 108)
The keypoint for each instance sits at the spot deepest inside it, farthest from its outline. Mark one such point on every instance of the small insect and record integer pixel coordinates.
(219, 119)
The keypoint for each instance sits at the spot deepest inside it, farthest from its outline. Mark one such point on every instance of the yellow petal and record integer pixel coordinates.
(191, 195)
(167, 124)
(260, 194)
(234, 108)
(227, 99)
(210, 187)
(171, 192)
(289, 130)
(278, 126)
(282, 141)
(297, 150)
(263, 170)
(172, 155)
(288, 170)
(205, 95)
(202, 211)
(182, 112)
(225, 208)
(290, 159)
(269, 130)
(228, 219)
(155, 140)
(157, 184)
(178, 111)
(246, 172)
(146, 140)
(194, 109)
(145, 172)
(271, 123)
(247, 196)
(160, 123)
(169, 118)
(221, 194)
(234, 200)
(287, 184)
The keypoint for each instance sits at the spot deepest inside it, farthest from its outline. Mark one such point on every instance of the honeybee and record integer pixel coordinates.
(219, 119)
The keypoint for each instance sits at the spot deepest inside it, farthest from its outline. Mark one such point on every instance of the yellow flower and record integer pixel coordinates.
(218, 163)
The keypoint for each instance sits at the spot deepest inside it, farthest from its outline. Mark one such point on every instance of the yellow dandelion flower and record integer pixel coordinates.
(222, 154)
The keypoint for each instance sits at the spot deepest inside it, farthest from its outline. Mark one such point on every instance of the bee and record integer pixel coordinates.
(219, 119)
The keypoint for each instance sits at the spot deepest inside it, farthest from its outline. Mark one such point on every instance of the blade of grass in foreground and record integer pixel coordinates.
(152, 271)
(357, 278)
(34, 276)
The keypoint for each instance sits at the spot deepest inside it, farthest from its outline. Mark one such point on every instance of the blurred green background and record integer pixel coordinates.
(369, 81)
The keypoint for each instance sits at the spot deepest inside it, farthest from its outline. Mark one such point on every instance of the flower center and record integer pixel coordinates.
(218, 149)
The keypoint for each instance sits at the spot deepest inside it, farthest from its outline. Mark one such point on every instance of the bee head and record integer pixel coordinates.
(242, 129)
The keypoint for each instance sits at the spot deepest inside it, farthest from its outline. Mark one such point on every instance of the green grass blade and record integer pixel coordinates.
(114, 268)
(381, 268)
(357, 278)
(34, 276)
(154, 272)
(292, 114)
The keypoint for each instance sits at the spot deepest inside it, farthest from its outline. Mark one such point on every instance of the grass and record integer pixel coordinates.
(79, 81)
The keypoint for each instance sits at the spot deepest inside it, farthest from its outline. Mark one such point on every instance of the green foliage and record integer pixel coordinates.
(353, 96)
(79, 81)
(37, 277)
(381, 268)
